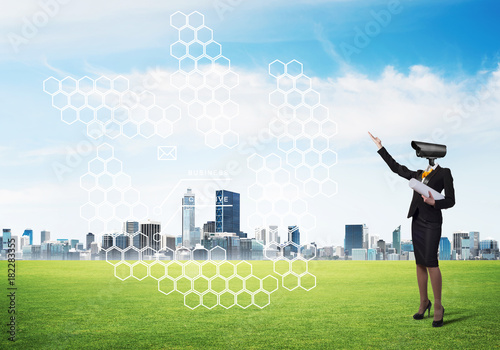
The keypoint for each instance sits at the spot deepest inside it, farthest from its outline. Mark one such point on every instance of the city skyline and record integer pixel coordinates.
(253, 233)
(442, 89)
(224, 231)
(148, 244)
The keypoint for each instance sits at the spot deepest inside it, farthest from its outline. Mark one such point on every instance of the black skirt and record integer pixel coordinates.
(425, 236)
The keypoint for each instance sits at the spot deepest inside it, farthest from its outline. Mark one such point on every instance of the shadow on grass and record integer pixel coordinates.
(456, 319)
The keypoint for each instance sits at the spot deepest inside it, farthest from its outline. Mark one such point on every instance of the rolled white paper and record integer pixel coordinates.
(423, 189)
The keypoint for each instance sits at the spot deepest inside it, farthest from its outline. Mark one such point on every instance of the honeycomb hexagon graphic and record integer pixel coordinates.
(276, 197)
(210, 283)
(303, 128)
(111, 197)
(204, 79)
(108, 106)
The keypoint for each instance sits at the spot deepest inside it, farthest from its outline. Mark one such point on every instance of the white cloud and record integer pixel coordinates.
(397, 107)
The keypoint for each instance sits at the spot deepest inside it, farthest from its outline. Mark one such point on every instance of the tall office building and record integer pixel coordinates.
(381, 246)
(29, 232)
(195, 237)
(261, 234)
(465, 253)
(371, 254)
(168, 242)
(209, 227)
(227, 211)
(339, 251)
(457, 240)
(208, 230)
(152, 230)
(107, 241)
(94, 248)
(188, 216)
(89, 239)
(25, 241)
(474, 244)
(74, 242)
(131, 227)
(373, 241)
(353, 238)
(366, 238)
(444, 249)
(6, 238)
(122, 241)
(273, 235)
(294, 236)
(44, 236)
(396, 239)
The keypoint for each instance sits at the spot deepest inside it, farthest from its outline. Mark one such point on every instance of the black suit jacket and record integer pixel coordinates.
(438, 179)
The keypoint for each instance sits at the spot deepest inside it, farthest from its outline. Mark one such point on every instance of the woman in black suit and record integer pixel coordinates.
(426, 228)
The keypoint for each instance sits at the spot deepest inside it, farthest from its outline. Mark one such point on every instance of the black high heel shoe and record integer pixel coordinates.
(418, 316)
(438, 323)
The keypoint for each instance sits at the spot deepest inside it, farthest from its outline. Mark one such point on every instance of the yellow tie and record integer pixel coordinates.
(425, 173)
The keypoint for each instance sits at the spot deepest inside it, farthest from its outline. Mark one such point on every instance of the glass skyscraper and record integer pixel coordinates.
(107, 241)
(6, 238)
(195, 237)
(44, 236)
(29, 232)
(366, 238)
(444, 249)
(152, 230)
(381, 246)
(90, 239)
(396, 239)
(131, 227)
(294, 236)
(474, 244)
(227, 211)
(122, 241)
(188, 215)
(353, 238)
(465, 253)
(260, 234)
(273, 234)
(457, 240)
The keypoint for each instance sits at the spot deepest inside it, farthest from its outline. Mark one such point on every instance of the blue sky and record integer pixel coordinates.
(426, 60)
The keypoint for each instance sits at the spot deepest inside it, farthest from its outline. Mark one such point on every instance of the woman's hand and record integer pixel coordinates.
(376, 140)
(429, 200)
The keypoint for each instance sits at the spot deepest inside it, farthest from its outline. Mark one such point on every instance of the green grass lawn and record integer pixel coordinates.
(355, 305)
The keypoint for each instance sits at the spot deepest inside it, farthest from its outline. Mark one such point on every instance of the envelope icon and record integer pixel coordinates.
(167, 152)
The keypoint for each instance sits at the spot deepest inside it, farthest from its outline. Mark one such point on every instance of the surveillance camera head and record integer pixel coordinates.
(428, 150)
